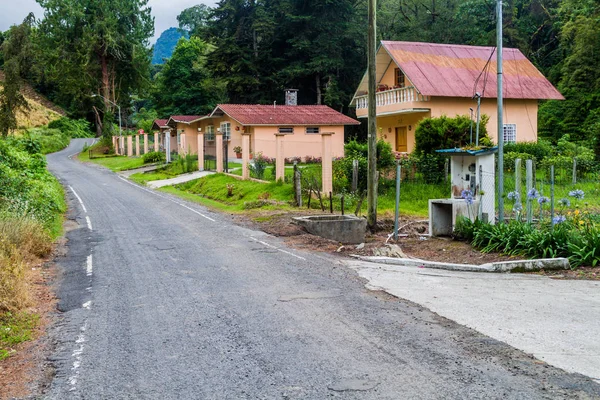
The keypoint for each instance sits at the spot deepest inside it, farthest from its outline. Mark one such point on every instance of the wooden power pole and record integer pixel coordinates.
(372, 134)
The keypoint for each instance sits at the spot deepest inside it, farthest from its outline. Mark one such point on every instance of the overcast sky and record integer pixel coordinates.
(164, 11)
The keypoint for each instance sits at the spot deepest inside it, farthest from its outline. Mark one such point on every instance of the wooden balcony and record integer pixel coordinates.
(392, 96)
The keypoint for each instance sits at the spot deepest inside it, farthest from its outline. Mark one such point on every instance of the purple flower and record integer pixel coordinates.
(514, 196)
(558, 219)
(577, 193)
(564, 202)
(517, 207)
(543, 200)
(468, 196)
(533, 194)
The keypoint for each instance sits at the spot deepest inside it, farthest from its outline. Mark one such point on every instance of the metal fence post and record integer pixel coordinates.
(529, 184)
(552, 194)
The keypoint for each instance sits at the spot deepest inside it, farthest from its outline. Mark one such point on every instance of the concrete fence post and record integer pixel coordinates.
(145, 143)
(129, 146)
(137, 145)
(200, 151)
(219, 150)
(326, 162)
(279, 157)
(529, 183)
(245, 155)
(156, 141)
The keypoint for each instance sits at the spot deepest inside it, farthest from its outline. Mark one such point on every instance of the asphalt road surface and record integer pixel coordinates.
(164, 299)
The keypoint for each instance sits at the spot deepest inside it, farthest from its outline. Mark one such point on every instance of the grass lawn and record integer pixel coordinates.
(212, 191)
(230, 194)
(114, 163)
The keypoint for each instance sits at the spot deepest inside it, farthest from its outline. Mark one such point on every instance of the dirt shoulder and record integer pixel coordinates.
(28, 371)
(412, 243)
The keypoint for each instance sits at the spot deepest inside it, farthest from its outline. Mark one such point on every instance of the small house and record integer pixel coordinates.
(421, 80)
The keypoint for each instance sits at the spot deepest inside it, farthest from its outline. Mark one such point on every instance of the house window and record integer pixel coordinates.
(312, 129)
(226, 130)
(510, 133)
(400, 80)
(210, 132)
(286, 130)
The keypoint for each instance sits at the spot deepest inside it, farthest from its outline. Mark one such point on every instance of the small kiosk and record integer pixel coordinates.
(472, 191)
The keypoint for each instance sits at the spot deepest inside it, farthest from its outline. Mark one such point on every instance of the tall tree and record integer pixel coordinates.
(17, 54)
(98, 47)
(194, 20)
(185, 85)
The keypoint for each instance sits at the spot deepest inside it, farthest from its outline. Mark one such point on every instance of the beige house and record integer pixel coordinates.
(300, 128)
(420, 80)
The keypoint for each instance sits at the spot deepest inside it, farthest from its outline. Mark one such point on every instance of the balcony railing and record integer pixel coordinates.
(393, 96)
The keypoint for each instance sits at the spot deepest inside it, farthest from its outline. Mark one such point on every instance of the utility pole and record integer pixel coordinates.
(500, 117)
(372, 126)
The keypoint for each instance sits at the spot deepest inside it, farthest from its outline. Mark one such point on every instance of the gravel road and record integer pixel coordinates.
(164, 299)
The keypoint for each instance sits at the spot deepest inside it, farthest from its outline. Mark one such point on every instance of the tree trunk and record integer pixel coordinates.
(98, 122)
(105, 82)
(318, 83)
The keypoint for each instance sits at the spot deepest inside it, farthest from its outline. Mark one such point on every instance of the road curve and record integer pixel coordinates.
(164, 299)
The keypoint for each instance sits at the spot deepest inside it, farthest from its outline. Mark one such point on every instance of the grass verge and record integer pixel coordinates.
(16, 328)
(114, 163)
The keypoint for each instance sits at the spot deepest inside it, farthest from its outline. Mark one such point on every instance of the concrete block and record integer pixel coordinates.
(341, 228)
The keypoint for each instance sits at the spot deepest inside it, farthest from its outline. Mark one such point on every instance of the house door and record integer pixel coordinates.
(401, 140)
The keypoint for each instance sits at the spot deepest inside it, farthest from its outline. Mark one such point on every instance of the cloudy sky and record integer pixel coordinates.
(165, 12)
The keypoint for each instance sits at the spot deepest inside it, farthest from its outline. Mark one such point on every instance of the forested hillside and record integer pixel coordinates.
(163, 49)
(250, 51)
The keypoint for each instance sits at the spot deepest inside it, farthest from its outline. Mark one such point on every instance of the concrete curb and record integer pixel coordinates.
(505, 266)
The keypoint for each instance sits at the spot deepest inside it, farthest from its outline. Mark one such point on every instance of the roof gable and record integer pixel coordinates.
(159, 124)
(258, 114)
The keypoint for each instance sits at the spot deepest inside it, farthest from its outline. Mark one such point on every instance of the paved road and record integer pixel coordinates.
(163, 299)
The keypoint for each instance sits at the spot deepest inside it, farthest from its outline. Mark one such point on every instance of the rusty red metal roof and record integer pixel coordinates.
(185, 118)
(452, 70)
(159, 123)
(256, 114)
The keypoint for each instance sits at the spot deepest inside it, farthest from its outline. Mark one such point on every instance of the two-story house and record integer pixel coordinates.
(421, 80)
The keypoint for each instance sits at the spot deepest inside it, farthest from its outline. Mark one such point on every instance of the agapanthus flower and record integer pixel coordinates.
(558, 219)
(564, 202)
(543, 200)
(468, 196)
(514, 196)
(577, 193)
(533, 194)
(517, 207)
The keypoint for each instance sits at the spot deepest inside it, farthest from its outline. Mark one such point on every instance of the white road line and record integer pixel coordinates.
(89, 266)
(89, 222)
(87, 305)
(276, 248)
(77, 355)
(78, 198)
(166, 198)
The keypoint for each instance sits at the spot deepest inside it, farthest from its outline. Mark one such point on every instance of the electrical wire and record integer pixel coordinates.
(486, 71)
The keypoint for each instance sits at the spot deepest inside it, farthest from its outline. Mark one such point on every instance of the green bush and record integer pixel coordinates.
(73, 128)
(258, 168)
(509, 160)
(539, 150)
(154, 157)
(444, 132)
(353, 150)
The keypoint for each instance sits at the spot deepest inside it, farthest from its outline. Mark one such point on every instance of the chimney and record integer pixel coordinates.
(291, 97)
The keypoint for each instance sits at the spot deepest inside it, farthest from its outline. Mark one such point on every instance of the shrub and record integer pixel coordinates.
(443, 133)
(509, 160)
(154, 157)
(257, 169)
(539, 150)
(73, 128)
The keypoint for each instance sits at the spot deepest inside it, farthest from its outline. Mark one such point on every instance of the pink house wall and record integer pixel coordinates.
(262, 138)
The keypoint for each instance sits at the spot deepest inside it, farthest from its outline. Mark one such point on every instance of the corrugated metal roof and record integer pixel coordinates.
(451, 71)
(185, 118)
(471, 152)
(159, 123)
(256, 114)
